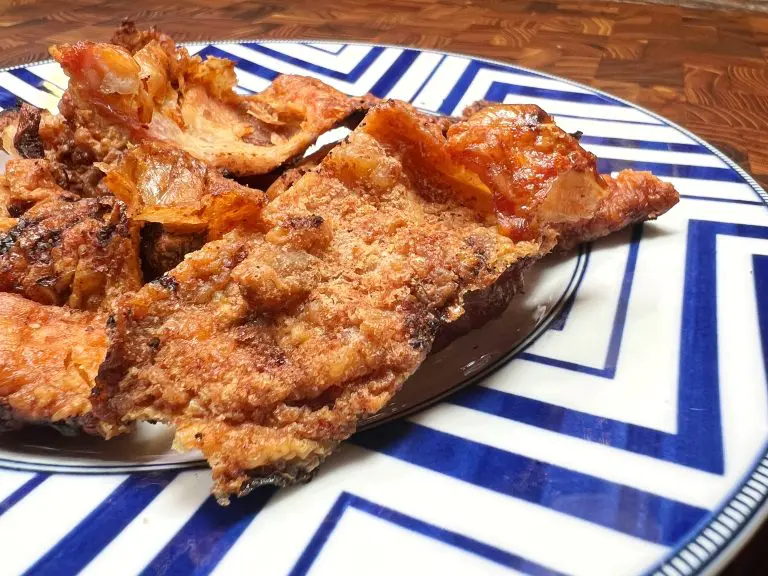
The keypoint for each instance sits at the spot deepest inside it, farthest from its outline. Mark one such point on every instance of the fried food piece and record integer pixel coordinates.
(28, 182)
(19, 132)
(190, 202)
(133, 39)
(632, 197)
(66, 250)
(265, 350)
(539, 175)
(162, 250)
(49, 357)
(293, 173)
(79, 141)
(159, 92)
(71, 147)
(163, 184)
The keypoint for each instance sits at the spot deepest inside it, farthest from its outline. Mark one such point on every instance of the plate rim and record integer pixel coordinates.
(673, 562)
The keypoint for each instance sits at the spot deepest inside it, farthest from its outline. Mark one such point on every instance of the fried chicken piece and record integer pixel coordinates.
(265, 350)
(159, 92)
(66, 250)
(632, 197)
(191, 202)
(70, 148)
(49, 357)
(79, 141)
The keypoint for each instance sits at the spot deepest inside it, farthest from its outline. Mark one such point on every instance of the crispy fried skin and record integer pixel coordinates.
(164, 184)
(183, 201)
(539, 175)
(632, 197)
(65, 250)
(264, 350)
(29, 182)
(293, 173)
(133, 39)
(49, 357)
(19, 132)
(159, 92)
(162, 250)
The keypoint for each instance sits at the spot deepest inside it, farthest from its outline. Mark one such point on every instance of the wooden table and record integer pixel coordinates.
(705, 70)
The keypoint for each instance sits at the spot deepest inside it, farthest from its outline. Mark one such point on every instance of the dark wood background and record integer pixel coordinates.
(703, 69)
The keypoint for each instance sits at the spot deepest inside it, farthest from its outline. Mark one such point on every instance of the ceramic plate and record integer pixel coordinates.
(614, 422)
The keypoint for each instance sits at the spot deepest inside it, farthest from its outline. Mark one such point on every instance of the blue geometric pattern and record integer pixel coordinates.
(646, 520)
(698, 442)
(347, 501)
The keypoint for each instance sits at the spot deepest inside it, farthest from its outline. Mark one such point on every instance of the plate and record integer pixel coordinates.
(614, 420)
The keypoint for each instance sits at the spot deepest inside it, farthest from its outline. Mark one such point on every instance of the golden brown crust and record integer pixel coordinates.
(19, 132)
(65, 250)
(159, 92)
(264, 350)
(183, 202)
(539, 175)
(632, 197)
(27, 182)
(49, 357)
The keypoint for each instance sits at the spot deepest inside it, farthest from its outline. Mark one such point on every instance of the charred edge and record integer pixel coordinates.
(421, 328)
(47, 281)
(27, 139)
(111, 372)
(289, 475)
(167, 283)
(104, 235)
(11, 421)
(9, 239)
(304, 222)
(482, 306)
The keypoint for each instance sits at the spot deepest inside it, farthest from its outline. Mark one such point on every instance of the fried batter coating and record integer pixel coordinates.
(191, 202)
(65, 250)
(264, 350)
(49, 357)
(159, 92)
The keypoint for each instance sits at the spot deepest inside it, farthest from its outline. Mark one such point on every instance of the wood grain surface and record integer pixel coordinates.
(703, 69)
